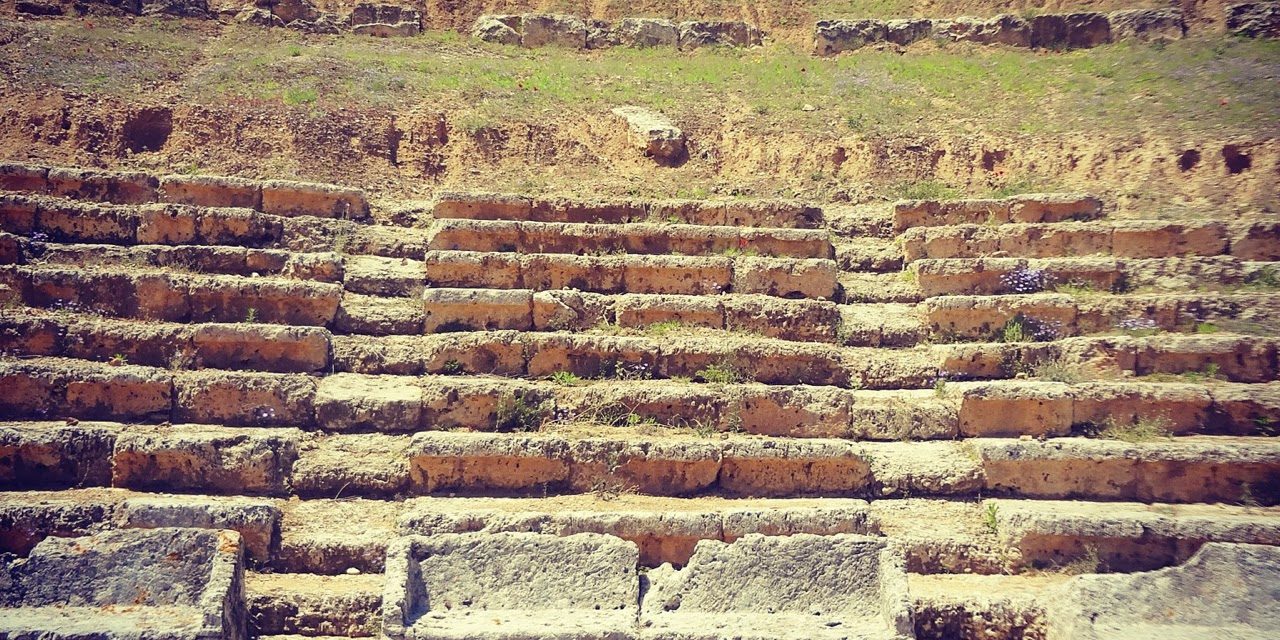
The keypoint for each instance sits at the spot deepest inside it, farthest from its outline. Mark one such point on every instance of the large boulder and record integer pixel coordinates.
(1224, 591)
(799, 586)
(722, 33)
(1070, 30)
(1003, 29)
(505, 585)
(385, 20)
(498, 29)
(653, 133)
(1147, 24)
(834, 36)
(129, 583)
(647, 32)
(553, 30)
(1254, 19)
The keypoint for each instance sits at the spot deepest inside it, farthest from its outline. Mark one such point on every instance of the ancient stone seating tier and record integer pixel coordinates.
(637, 418)
(537, 30)
(510, 585)
(131, 583)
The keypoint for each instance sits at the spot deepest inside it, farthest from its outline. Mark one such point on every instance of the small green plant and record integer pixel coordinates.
(704, 428)
(660, 329)
(990, 519)
(1059, 370)
(1205, 327)
(1247, 499)
(940, 387)
(118, 360)
(1144, 429)
(515, 412)
(452, 368)
(1014, 330)
(1077, 289)
(565, 378)
(1265, 278)
(293, 51)
(761, 109)
(909, 276)
(720, 373)
(251, 316)
(922, 190)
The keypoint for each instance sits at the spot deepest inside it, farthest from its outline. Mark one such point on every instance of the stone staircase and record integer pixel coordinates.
(1008, 391)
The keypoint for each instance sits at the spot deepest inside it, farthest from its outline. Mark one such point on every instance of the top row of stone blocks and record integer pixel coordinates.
(1052, 31)
(537, 30)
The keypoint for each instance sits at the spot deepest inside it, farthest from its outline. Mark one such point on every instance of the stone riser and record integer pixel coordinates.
(631, 238)
(176, 297)
(781, 277)
(782, 214)
(361, 403)
(986, 276)
(224, 460)
(276, 197)
(1031, 208)
(1130, 239)
(983, 317)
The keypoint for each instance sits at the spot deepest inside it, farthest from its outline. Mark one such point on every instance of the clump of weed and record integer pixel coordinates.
(990, 520)
(452, 368)
(1060, 370)
(516, 412)
(922, 190)
(660, 329)
(723, 372)
(1024, 328)
(251, 316)
(1144, 429)
(565, 378)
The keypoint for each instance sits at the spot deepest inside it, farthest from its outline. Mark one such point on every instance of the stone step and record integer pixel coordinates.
(280, 197)
(169, 345)
(786, 214)
(234, 261)
(1027, 208)
(1120, 239)
(880, 288)
(868, 254)
(993, 276)
(643, 238)
(346, 402)
(735, 358)
(314, 605)
(781, 277)
(172, 296)
(975, 607)
(951, 318)
(42, 221)
(282, 461)
(1122, 536)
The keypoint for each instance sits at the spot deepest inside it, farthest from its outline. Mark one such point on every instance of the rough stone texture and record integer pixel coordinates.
(1004, 29)
(1254, 19)
(256, 520)
(799, 586)
(284, 198)
(540, 30)
(1147, 24)
(490, 585)
(1070, 31)
(208, 459)
(717, 33)
(653, 133)
(1224, 591)
(647, 32)
(161, 583)
(385, 20)
(497, 29)
(349, 402)
(835, 36)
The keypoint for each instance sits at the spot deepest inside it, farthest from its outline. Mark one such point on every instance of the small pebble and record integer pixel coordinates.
(352, 571)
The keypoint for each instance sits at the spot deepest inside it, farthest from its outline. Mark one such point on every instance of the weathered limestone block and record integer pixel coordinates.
(1147, 24)
(290, 10)
(447, 310)
(907, 31)
(646, 32)
(257, 520)
(131, 583)
(541, 30)
(347, 401)
(15, 176)
(206, 459)
(211, 191)
(385, 20)
(259, 16)
(717, 33)
(261, 347)
(481, 585)
(1070, 30)
(285, 198)
(498, 29)
(43, 455)
(799, 586)
(177, 8)
(243, 398)
(1224, 591)
(653, 133)
(834, 36)
(1254, 19)
(122, 187)
(1004, 29)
